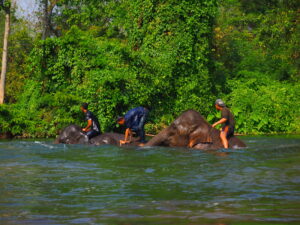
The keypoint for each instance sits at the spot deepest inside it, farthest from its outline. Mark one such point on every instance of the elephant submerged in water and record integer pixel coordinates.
(190, 129)
(73, 134)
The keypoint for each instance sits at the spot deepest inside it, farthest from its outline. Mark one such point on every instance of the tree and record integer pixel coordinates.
(5, 5)
(45, 19)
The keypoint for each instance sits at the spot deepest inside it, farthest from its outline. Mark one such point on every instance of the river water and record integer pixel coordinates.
(43, 183)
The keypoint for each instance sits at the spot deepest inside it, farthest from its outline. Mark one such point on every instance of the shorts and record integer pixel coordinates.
(92, 133)
(230, 131)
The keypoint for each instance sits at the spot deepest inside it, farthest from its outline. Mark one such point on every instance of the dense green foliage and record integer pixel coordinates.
(257, 53)
(166, 55)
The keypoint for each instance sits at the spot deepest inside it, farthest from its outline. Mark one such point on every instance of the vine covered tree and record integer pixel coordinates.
(169, 55)
(5, 5)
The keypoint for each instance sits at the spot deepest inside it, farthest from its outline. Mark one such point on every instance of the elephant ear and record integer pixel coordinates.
(200, 135)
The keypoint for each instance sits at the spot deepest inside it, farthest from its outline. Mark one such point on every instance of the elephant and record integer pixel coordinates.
(73, 134)
(190, 129)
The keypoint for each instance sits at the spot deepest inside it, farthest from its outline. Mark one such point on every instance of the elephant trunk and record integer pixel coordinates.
(159, 139)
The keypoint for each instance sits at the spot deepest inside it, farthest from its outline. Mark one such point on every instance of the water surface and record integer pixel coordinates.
(43, 183)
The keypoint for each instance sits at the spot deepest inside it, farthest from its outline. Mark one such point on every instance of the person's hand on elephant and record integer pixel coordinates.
(191, 130)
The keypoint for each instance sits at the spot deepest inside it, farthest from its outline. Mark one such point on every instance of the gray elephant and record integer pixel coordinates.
(190, 129)
(73, 134)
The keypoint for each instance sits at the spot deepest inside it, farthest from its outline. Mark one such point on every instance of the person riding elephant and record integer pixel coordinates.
(73, 134)
(190, 129)
(134, 120)
(92, 128)
(227, 119)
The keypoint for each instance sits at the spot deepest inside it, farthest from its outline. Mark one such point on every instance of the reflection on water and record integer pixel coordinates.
(42, 183)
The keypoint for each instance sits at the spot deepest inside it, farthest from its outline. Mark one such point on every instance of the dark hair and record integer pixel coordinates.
(85, 105)
(120, 118)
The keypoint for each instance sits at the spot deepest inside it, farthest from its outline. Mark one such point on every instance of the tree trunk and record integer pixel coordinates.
(4, 56)
(45, 33)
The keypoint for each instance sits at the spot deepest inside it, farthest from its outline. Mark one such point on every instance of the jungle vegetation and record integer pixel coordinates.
(167, 55)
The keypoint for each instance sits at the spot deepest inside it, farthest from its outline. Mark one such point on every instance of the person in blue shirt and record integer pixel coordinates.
(92, 129)
(134, 120)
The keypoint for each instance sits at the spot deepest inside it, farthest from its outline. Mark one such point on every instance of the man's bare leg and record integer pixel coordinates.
(223, 137)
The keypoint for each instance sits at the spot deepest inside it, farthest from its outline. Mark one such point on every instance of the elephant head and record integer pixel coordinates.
(72, 134)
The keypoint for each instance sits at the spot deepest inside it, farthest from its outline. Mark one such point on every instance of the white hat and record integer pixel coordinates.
(219, 102)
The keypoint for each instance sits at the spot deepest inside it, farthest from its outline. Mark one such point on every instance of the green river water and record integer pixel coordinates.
(43, 183)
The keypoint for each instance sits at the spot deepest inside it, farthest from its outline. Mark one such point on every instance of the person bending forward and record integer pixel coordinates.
(134, 120)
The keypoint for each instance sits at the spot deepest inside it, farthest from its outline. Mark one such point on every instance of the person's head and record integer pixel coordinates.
(148, 107)
(219, 104)
(84, 107)
(121, 120)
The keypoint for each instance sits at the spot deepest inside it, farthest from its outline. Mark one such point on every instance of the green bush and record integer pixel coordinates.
(165, 55)
(161, 63)
(263, 105)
